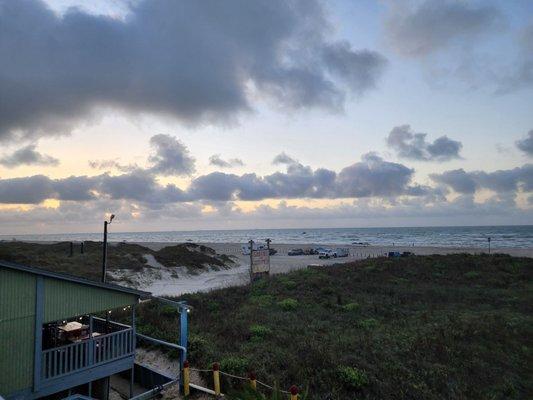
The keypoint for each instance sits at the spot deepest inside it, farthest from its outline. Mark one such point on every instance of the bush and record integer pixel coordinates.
(263, 300)
(169, 311)
(234, 365)
(472, 275)
(259, 331)
(288, 304)
(353, 377)
(368, 323)
(351, 307)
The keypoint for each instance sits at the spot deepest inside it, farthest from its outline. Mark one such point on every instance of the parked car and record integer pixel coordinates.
(327, 253)
(272, 251)
(342, 252)
(394, 254)
(296, 252)
(317, 250)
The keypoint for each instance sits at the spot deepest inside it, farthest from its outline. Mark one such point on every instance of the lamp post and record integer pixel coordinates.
(104, 250)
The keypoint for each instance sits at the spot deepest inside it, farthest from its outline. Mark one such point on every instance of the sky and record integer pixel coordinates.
(265, 114)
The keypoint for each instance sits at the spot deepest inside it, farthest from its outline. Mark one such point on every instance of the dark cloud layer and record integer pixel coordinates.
(410, 145)
(501, 181)
(436, 24)
(526, 144)
(27, 155)
(370, 177)
(195, 61)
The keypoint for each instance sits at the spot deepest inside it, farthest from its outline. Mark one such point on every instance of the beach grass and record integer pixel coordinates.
(423, 327)
(120, 256)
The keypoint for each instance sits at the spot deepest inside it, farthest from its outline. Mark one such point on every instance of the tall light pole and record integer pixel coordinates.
(104, 250)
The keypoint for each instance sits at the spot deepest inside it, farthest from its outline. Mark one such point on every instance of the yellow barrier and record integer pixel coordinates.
(216, 378)
(253, 381)
(294, 392)
(186, 378)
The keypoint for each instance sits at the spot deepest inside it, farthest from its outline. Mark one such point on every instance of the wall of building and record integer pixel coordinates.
(17, 319)
(64, 299)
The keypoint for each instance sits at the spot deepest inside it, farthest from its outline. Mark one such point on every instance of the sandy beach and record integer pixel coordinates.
(282, 263)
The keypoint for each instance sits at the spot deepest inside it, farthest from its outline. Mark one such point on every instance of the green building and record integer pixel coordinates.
(53, 345)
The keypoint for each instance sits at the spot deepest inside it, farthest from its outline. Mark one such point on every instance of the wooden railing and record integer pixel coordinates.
(64, 360)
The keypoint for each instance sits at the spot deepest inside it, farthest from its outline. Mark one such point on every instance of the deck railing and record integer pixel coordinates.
(64, 360)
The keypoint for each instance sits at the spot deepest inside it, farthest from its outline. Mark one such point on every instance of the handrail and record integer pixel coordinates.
(75, 357)
(111, 322)
(162, 342)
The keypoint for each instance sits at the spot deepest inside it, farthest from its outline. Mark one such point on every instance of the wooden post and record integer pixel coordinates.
(294, 392)
(82, 249)
(251, 242)
(216, 378)
(186, 378)
(71, 251)
(253, 380)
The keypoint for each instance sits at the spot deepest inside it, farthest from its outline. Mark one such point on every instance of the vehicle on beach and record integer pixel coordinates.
(317, 250)
(342, 252)
(327, 253)
(296, 252)
(362, 244)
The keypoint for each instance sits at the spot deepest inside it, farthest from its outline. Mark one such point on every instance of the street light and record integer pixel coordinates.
(104, 250)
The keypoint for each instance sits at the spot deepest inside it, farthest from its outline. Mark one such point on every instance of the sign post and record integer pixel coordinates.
(259, 261)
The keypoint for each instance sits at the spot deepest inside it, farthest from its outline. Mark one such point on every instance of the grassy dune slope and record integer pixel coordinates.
(55, 257)
(434, 327)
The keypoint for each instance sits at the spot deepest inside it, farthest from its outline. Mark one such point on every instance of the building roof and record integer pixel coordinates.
(72, 278)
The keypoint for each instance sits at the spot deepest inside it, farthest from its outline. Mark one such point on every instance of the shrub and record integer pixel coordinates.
(288, 304)
(353, 377)
(259, 331)
(368, 323)
(351, 307)
(234, 365)
(169, 311)
(263, 300)
(472, 275)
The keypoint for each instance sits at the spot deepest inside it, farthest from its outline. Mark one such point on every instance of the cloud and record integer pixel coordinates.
(170, 156)
(28, 155)
(283, 158)
(457, 179)
(519, 75)
(371, 177)
(434, 25)
(410, 145)
(359, 69)
(198, 62)
(374, 177)
(111, 164)
(500, 181)
(217, 161)
(526, 144)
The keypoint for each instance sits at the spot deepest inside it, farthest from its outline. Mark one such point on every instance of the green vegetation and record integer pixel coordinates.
(56, 257)
(408, 328)
(352, 377)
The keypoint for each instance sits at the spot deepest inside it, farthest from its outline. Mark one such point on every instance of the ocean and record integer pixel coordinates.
(464, 236)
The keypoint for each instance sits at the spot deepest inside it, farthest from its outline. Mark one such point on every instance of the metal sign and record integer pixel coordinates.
(260, 261)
